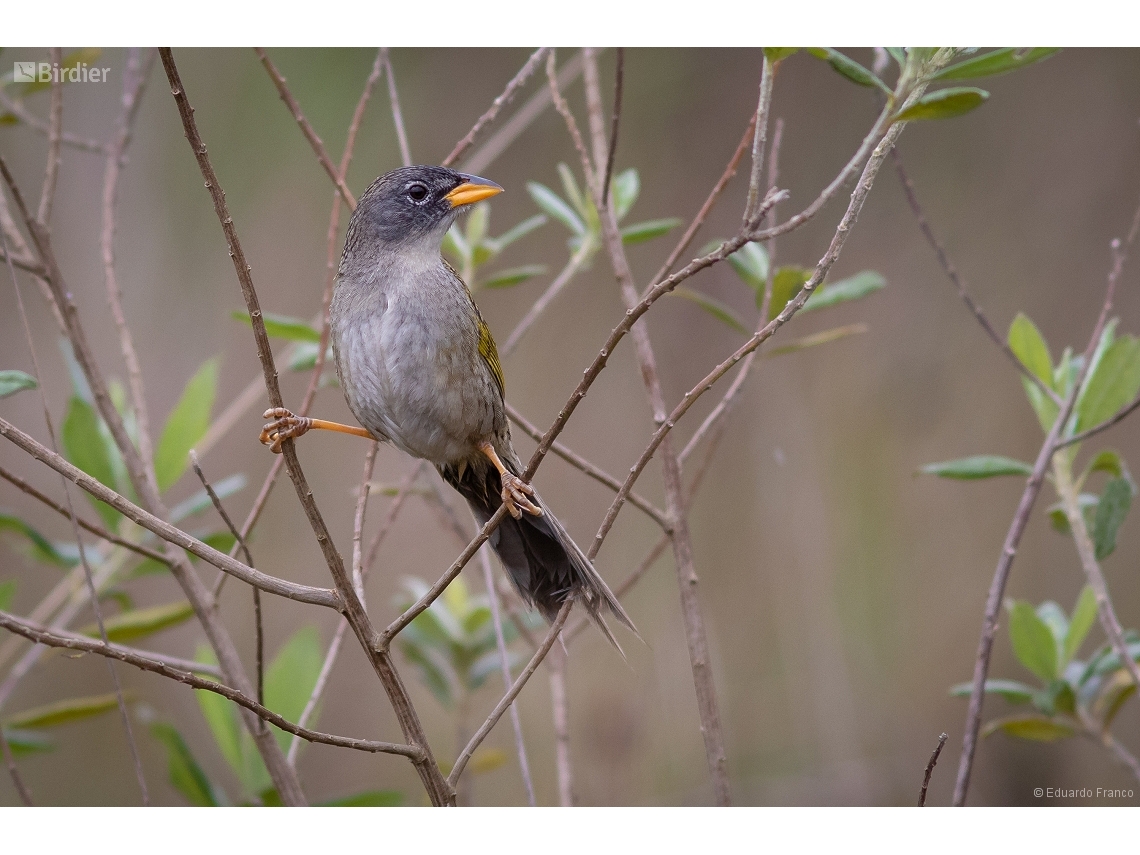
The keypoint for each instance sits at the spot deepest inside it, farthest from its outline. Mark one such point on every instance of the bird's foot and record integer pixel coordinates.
(515, 494)
(284, 426)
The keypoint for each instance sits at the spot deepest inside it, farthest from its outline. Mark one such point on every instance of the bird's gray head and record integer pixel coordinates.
(414, 203)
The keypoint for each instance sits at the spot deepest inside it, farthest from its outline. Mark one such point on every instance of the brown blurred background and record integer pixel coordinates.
(843, 595)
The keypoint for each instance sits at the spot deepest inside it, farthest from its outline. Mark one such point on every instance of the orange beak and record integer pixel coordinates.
(473, 189)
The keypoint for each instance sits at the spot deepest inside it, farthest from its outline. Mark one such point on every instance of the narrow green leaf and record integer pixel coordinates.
(849, 68)
(38, 547)
(1114, 504)
(13, 381)
(1028, 345)
(455, 245)
(221, 716)
(434, 670)
(1034, 728)
(1057, 697)
(64, 712)
(816, 339)
(1033, 642)
(944, 104)
(897, 54)
(142, 622)
(1058, 622)
(751, 264)
(845, 290)
(640, 232)
(477, 221)
(995, 62)
(290, 678)
(514, 276)
(304, 356)
(200, 501)
(281, 326)
(1115, 700)
(776, 54)
(575, 196)
(625, 187)
(786, 284)
(1084, 613)
(1113, 382)
(979, 466)
(26, 741)
(7, 594)
(87, 449)
(1011, 690)
(185, 773)
(713, 306)
(553, 206)
(1108, 461)
(521, 230)
(186, 425)
(372, 798)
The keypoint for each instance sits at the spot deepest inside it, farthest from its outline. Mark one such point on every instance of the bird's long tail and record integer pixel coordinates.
(544, 563)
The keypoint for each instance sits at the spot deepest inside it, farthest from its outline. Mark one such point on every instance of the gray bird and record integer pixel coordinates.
(420, 369)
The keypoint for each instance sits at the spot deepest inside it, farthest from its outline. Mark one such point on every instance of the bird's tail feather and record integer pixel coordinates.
(543, 562)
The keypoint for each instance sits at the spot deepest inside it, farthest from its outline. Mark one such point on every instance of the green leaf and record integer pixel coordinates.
(1114, 504)
(849, 68)
(72, 60)
(455, 245)
(142, 622)
(816, 339)
(7, 594)
(290, 678)
(87, 449)
(1108, 461)
(1033, 642)
(640, 232)
(281, 326)
(524, 228)
(1060, 522)
(304, 357)
(995, 62)
(26, 741)
(979, 466)
(786, 284)
(1028, 345)
(1058, 697)
(514, 276)
(185, 773)
(477, 220)
(1113, 382)
(625, 187)
(852, 288)
(1011, 690)
(220, 715)
(713, 306)
(200, 501)
(1084, 613)
(898, 54)
(1058, 622)
(776, 54)
(574, 195)
(372, 798)
(944, 104)
(39, 547)
(751, 264)
(1035, 728)
(64, 712)
(186, 425)
(13, 381)
(554, 207)
(1116, 699)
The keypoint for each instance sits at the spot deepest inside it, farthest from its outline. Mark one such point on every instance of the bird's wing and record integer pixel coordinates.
(487, 348)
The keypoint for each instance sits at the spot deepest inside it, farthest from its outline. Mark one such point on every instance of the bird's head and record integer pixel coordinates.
(417, 203)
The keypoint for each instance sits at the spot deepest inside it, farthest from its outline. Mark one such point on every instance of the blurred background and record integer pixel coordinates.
(843, 596)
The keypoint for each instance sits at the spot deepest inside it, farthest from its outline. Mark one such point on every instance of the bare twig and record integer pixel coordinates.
(567, 273)
(560, 709)
(930, 770)
(306, 128)
(508, 94)
(763, 108)
(17, 109)
(397, 114)
(55, 139)
(956, 278)
(14, 772)
(611, 149)
(68, 641)
(508, 698)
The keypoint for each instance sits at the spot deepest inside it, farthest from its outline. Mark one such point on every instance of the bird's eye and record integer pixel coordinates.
(417, 192)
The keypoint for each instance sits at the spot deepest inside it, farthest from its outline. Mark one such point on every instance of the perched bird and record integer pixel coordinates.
(420, 369)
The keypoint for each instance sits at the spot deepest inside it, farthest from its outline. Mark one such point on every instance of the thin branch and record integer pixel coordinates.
(14, 772)
(763, 108)
(17, 109)
(619, 74)
(560, 710)
(55, 139)
(585, 466)
(98, 531)
(397, 114)
(306, 128)
(956, 278)
(930, 770)
(508, 698)
(25, 264)
(40, 635)
(573, 266)
(508, 94)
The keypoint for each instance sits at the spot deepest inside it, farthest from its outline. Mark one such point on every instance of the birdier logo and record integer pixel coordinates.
(50, 72)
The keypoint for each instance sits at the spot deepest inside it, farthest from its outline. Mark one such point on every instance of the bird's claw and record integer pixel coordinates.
(285, 425)
(515, 493)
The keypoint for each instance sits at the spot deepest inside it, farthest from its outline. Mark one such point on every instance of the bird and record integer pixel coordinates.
(419, 369)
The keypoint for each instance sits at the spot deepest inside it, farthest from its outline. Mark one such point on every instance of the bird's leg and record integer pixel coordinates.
(515, 489)
(285, 426)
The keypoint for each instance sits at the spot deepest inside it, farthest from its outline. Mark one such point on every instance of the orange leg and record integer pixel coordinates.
(515, 489)
(285, 426)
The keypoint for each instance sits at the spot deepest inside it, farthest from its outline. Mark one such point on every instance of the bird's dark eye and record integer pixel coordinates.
(417, 192)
